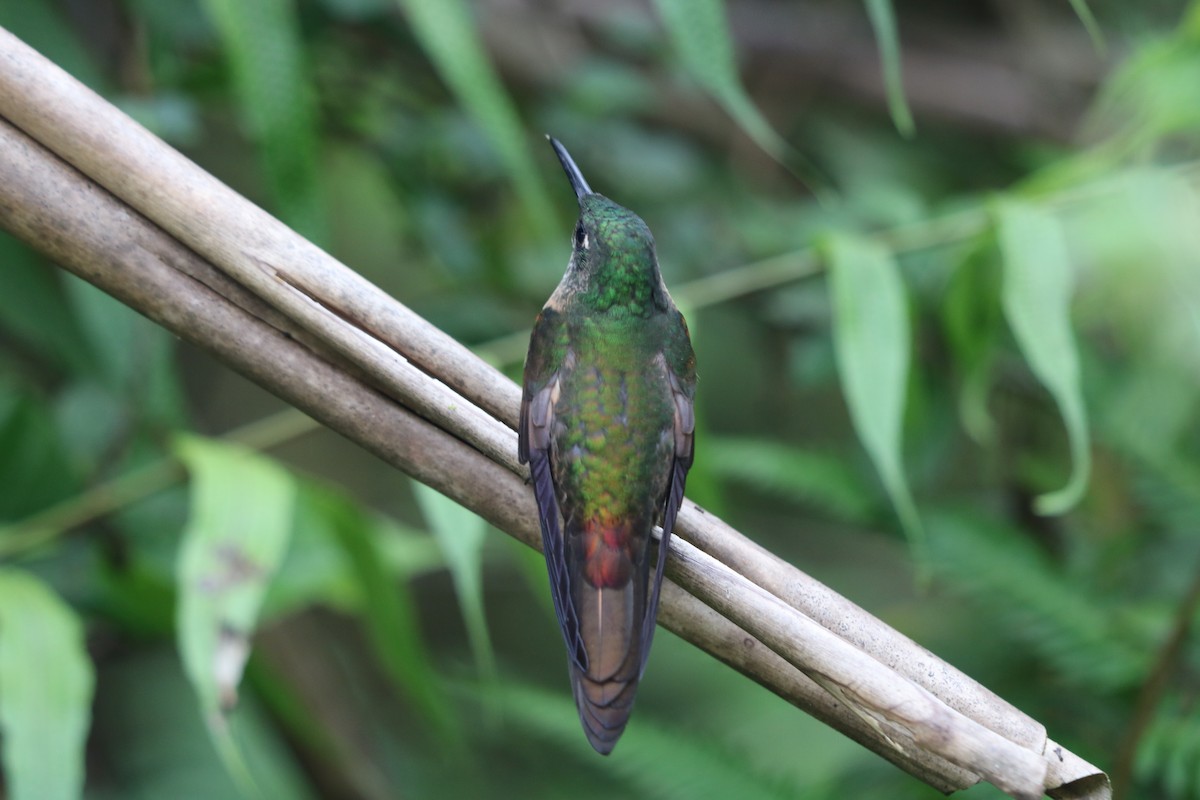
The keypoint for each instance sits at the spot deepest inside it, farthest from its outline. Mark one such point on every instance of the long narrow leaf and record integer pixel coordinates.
(1084, 12)
(237, 532)
(46, 684)
(821, 479)
(446, 32)
(461, 534)
(871, 341)
(262, 40)
(701, 37)
(971, 318)
(1037, 305)
(700, 768)
(36, 310)
(887, 39)
(388, 609)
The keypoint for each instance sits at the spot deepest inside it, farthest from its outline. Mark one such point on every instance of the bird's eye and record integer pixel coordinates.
(581, 238)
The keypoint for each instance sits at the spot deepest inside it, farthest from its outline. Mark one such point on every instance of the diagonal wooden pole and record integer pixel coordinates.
(103, 197)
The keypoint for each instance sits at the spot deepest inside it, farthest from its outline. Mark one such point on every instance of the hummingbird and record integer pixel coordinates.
(608, 429)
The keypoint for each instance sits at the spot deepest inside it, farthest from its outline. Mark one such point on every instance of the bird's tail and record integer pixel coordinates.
(605, 689)
(609, 594)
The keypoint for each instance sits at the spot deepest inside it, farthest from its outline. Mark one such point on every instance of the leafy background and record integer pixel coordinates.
(941, 269)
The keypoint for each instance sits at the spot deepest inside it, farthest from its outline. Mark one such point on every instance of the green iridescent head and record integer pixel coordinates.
(611, 242)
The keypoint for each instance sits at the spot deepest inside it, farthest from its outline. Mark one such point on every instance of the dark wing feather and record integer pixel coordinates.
(685, 446)
(534, 446)
(556, 559)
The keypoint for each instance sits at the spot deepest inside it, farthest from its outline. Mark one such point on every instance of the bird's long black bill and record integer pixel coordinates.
(578, 182)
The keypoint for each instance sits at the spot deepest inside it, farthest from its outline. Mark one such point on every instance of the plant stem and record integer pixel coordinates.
(109, 496)
(1154, 688)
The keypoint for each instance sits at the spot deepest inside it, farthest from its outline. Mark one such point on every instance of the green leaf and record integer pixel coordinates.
(118, 337)
(887, 39)
(698, 768)
(236, 535)
(792, 473)
(1084, 12)
(972, 321)
(1153, 94)
(1078, 633)
(34, 309)
(1149, 413)
(34, 468)
(700, 36)
(356, 10)
(871, 341)
(1142, 248)
(1037, 304)
(446, 32)
(41, 25)
(46, 684)
(132, 355)
(387, 605)
(319, 569)
(263, 44)
(1169, 749)
(461, 534)
(162, 753)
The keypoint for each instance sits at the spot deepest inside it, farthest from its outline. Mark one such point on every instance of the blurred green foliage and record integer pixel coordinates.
(1036, 327)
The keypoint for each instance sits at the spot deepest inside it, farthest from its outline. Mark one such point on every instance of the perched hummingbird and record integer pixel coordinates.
(607, 430)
